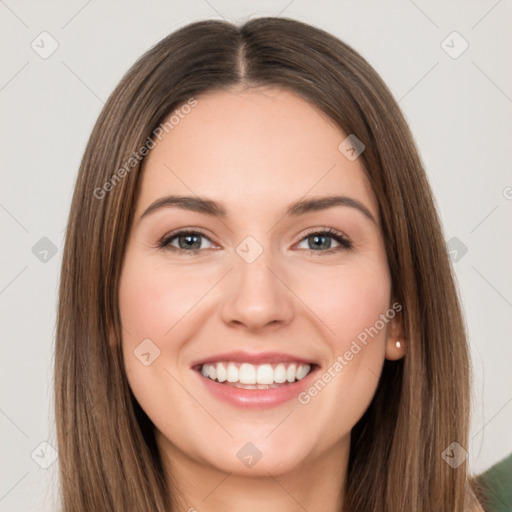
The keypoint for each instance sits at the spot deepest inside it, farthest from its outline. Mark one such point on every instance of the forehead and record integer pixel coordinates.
(253, 147)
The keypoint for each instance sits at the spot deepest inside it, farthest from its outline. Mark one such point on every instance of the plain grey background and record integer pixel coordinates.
(457, 101)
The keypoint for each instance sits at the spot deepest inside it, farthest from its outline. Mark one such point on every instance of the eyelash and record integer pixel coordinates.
(345, 243)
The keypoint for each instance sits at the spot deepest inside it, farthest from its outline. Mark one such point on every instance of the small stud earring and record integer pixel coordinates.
(398, 344)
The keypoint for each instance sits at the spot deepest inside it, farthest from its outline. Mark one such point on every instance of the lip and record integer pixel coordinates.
(241, 356)
(255, 398)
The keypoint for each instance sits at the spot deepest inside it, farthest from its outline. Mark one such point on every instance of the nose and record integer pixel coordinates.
(258, 296)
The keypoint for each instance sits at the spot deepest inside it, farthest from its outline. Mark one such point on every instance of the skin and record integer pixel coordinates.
(255, 151)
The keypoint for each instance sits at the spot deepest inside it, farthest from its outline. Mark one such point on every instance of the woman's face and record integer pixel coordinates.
(255, 290)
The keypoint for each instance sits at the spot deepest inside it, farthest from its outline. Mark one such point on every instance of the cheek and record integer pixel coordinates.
(158, 302)
(153, 299)
(352, 302)
(151, 302)
(347, 300)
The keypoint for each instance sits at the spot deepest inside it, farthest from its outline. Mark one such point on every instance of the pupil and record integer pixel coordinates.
(190, 238)
(316, 238)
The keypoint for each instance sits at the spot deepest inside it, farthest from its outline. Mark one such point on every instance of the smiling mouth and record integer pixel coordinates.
(250, 376)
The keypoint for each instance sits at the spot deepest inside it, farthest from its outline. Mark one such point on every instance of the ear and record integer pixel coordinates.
(396, 344)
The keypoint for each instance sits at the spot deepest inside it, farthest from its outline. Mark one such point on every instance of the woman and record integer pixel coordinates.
(257, 308)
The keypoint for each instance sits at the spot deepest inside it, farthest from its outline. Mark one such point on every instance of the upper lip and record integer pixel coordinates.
(241, 356)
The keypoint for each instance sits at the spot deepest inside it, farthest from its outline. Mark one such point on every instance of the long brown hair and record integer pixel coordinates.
(108, 455)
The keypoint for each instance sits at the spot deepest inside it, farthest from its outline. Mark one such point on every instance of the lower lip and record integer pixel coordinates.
(256, 398)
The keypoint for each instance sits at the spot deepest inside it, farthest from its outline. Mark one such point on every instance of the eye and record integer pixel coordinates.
(190, 242)
(321, 241)
(187, 241)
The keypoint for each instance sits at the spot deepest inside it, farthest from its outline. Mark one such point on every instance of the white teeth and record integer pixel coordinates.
(265, 374)
(222, 373)
(290, 373)
(232, 373)
(280, 374)
(247, 374)
(259, 376)
(301, 372)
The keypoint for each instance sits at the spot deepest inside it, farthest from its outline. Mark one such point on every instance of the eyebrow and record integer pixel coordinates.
(215, 209)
